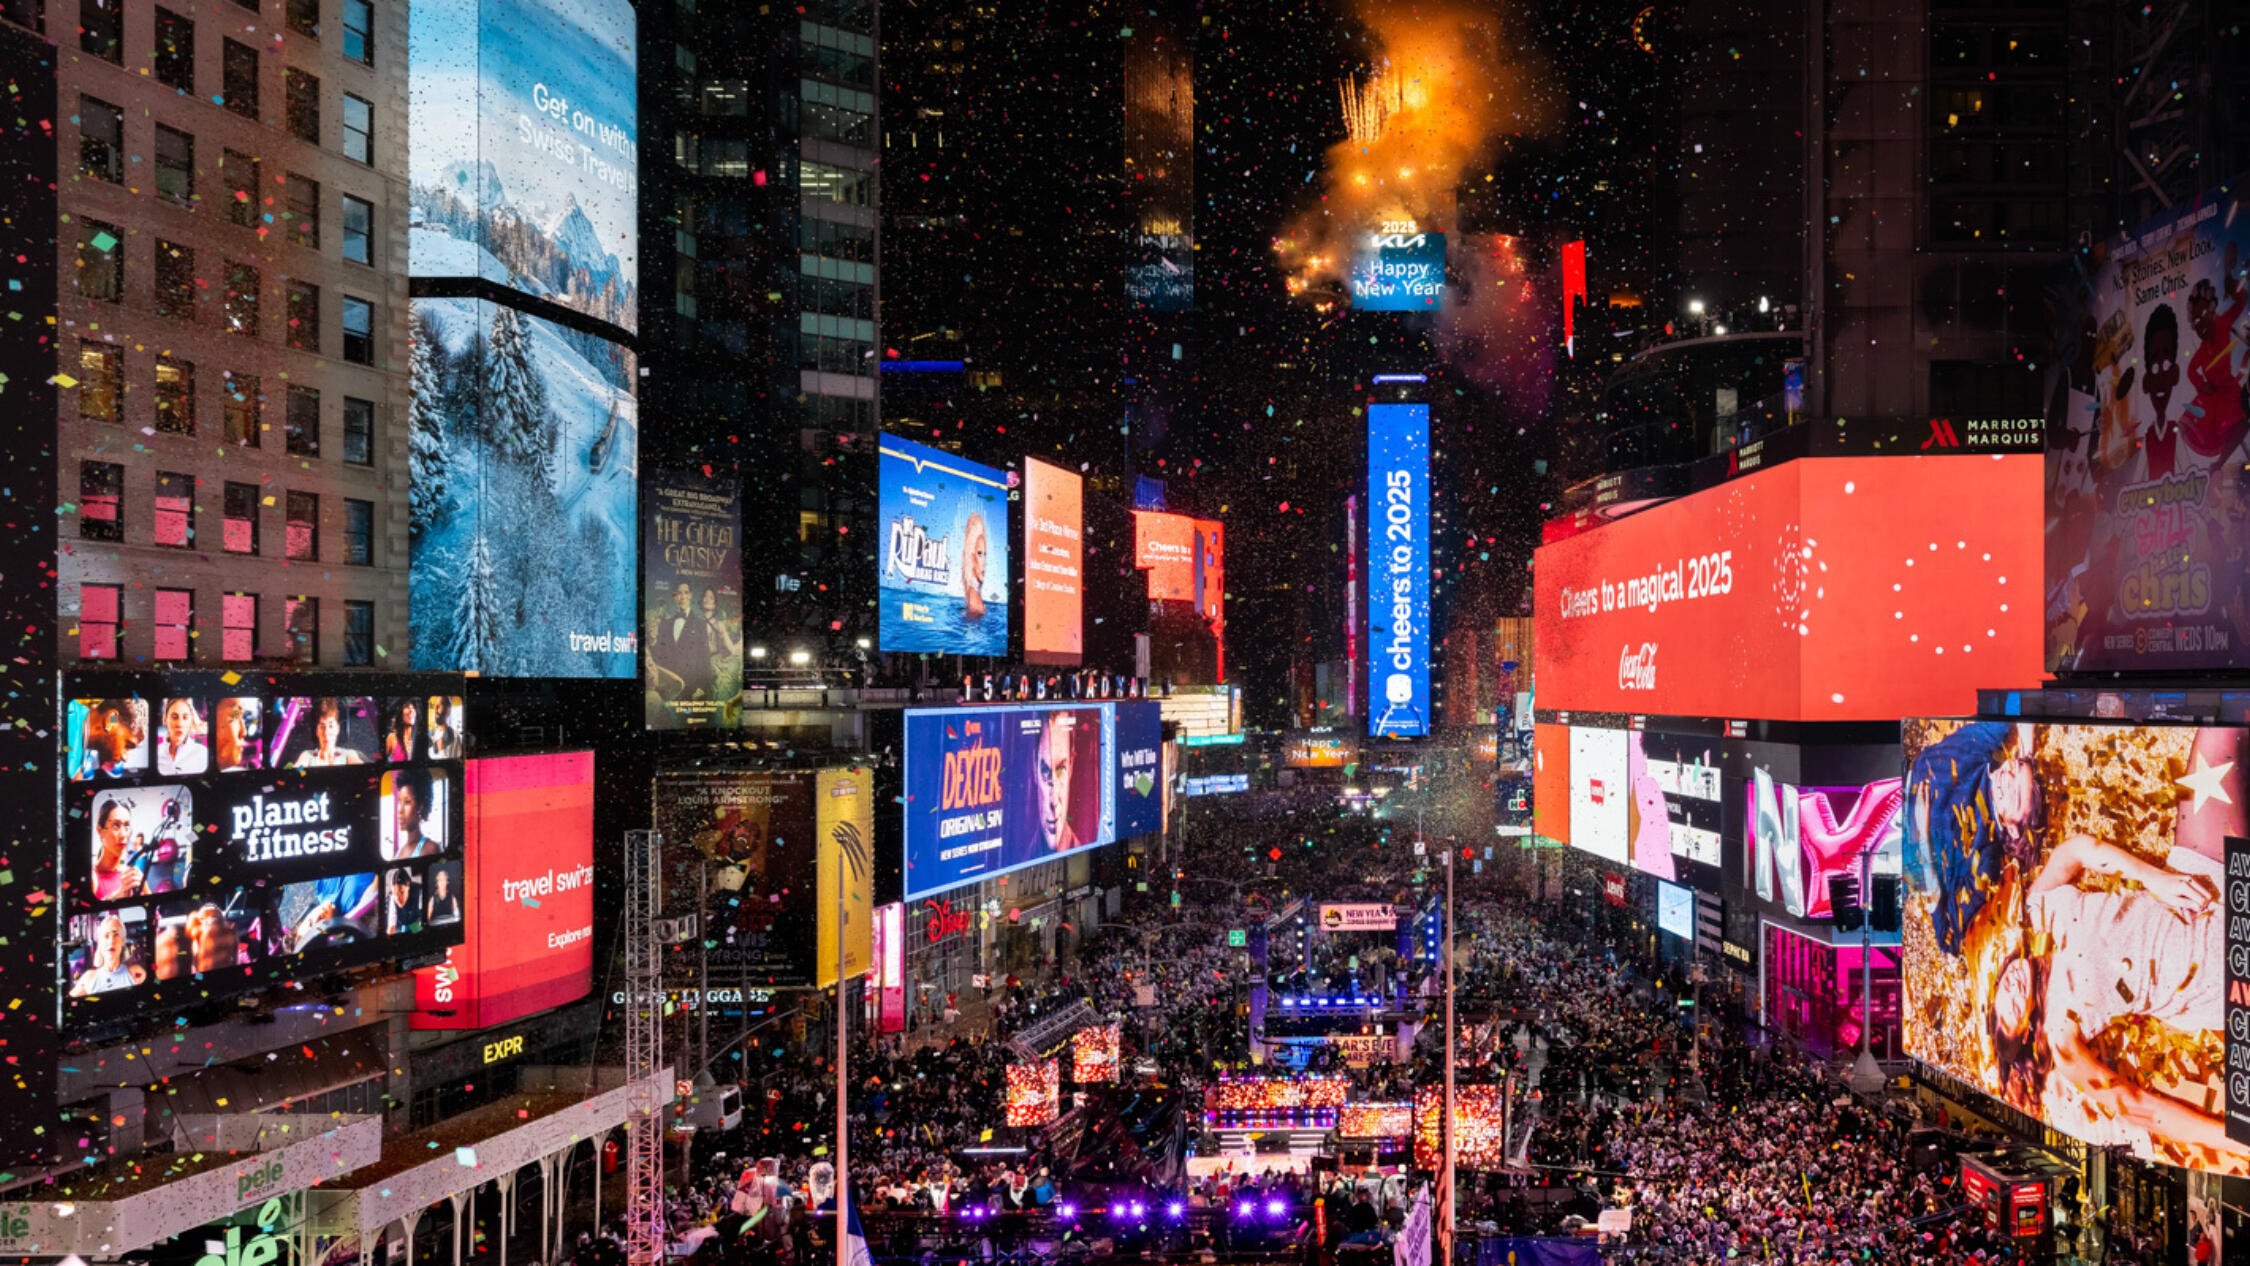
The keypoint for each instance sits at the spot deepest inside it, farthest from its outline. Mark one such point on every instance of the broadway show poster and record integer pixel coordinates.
(845, 806)
(944, 570)
(2148, 487)
(754, 836)
(691, 611)
(2065, 927)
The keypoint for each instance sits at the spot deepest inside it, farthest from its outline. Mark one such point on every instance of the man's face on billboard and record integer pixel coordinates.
(681, 598)
(1055, 760)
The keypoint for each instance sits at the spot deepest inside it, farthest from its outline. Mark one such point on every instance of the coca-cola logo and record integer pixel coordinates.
(1636, 669)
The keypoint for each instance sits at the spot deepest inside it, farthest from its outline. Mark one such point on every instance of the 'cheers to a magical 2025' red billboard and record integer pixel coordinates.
(1847, 588)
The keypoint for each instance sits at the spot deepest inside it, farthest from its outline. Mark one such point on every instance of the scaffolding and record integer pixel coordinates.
(644, 1051)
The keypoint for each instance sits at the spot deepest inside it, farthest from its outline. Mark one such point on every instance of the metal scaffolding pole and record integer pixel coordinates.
(644, 1051)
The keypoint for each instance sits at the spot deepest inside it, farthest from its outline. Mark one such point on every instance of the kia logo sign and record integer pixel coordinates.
(1636, 669)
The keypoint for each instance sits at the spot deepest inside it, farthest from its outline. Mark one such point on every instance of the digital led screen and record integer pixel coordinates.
(1796, 838)
(1034, 1093)
(1185, 558)
(755, 830)
(524, 150)
(1820, 589)
(1319, 751)
(1140, 768)
(1675, 802)
(691, 606)
(525, 462)
(995, 789)
(2146, 489)
(324, 833)
(1552, 800)
(1398, 570)
(1160, 271)
(1399, 272)
(1053, 564)
(844, 820)
(1600, 793)
(2063, 927)
(1675, 910)
(1214, 785)
(1093, 1054)
(943, 578)
(528, 880)
(1480, 1121)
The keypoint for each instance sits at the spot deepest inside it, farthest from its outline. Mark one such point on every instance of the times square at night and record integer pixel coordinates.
(1331, 632)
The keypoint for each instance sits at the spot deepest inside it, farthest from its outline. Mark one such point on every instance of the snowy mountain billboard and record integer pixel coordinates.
(523, 449)
(525, 145)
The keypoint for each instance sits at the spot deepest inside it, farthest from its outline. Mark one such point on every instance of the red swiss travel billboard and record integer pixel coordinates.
(530, 894)
(1830, 589)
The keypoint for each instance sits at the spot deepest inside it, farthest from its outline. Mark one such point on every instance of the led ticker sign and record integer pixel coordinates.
(1398, 567)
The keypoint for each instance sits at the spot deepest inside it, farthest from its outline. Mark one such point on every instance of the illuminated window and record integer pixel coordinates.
(300, 537)
(241, 405)
(239, 533)
(174, 624)
(175, 395)
(238, 627)
(175, 509)
(99, 624)
(101, 382)
(101, 501)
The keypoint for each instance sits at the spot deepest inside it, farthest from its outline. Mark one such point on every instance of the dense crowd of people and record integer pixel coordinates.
(1719, 1147)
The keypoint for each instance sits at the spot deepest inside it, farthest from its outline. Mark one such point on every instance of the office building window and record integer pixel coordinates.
(175, 395)
(238, 75)
(359, 633)
(359, 230)
(175, 280)
(836, 184)
(359, 31)
(359, 432)
(243, 409)
(243, 285)
(244, 198)
(175, 51)
(359, 331)
(239, 534)
(174, 625)
(304, 316)
(300, 539)
(99, 622)
(101, 140)
(175, 163)
(300, 95)
(101, 382)
(101, 29)
(238, 627)
(301, 429)
(300, 200)
(359, 533)
(304, 17)
(359, 130)
(101, 261)
(101, 501)
(300, 618)
(175, 509)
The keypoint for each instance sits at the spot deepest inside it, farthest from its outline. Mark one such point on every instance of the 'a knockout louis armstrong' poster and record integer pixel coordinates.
(691, 612)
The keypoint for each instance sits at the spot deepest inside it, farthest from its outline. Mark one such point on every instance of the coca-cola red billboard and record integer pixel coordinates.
(1839, 588)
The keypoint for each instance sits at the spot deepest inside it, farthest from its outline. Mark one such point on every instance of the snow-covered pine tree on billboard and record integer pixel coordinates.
(515, 398)
(428, 458)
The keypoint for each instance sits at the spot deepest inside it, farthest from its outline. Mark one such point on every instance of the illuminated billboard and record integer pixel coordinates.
(1034, 1093)
(1398, 570)
(1399, 272)
(1675, 800)
(1552, 800)
(1140, 772)
(1796, 838)
(754, 829)
(322, 831)
(1054, 564)
(2064, 932)
(528, 880)
(1849, 588)
(1675, 910)
(844, 825)
(2148, 503)
(944, 542)
(1600, 793)
(1480, 1121)
(525, 462)
(524, 151)
(991, 790)
(691, 607)
(1319, 751)
(1185, 559)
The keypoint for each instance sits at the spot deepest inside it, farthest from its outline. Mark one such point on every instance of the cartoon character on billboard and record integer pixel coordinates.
(2215, 420)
